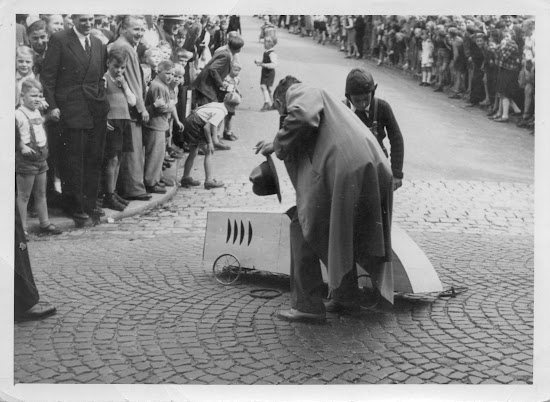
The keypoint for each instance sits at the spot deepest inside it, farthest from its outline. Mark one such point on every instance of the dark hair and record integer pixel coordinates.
(235, 43)
(283, 86)
(36, 26)
(118, 55)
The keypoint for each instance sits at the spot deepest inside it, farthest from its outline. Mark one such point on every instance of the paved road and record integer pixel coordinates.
(138, 305)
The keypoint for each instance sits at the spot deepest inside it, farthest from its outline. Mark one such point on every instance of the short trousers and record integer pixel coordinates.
(34, 164)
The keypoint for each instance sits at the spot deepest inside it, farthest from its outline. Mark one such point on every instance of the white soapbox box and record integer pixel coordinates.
(238, 241)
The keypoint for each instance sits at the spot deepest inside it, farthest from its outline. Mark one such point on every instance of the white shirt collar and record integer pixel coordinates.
(82, 38)
(18, 76)
(31, 112)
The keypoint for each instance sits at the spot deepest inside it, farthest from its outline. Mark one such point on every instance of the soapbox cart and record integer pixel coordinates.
(238, 241)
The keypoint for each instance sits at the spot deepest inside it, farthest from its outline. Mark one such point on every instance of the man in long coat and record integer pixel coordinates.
(343, 185)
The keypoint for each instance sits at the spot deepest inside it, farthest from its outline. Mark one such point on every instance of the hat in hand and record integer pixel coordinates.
(265, 180)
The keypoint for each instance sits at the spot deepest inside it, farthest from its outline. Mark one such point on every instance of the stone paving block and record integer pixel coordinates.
(440, 380)
(504, 379)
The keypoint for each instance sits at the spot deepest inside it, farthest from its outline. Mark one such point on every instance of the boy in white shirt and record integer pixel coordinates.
(201, 128)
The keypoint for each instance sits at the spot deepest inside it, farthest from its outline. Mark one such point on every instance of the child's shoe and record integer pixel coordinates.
(222, 147)
(230, 136)
(164, 181)
(189, 182)
(213, 183)
(265, 107)
(50, 230)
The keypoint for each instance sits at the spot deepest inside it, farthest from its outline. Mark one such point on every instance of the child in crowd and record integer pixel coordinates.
(154, 131)
(267, 29)
(54, 23)
(268, 64)
(231, 83)
(24, 61)
(38, 39)
(201, 127)
(152, 57)
(427, 58)
(174, 120)
(166, 50)
(31, 155)
(147, 75)
(118, 138)
(183, 57)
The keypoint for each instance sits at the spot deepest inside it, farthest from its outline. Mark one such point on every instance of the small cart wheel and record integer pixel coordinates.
(226, 269)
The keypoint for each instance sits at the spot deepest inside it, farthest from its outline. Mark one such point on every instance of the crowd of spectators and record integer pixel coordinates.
(486, 60)
(111, 93)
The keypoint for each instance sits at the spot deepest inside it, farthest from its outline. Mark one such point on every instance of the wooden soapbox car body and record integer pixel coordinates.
(238, 240)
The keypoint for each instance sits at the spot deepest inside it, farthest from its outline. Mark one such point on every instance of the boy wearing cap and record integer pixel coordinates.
(378, 116)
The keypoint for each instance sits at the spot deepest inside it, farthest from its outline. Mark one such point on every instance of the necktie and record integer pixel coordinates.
(87, 47)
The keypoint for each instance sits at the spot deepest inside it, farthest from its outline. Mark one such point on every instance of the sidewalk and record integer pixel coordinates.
(66, 223)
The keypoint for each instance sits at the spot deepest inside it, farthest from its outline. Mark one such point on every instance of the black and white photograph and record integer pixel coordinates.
(316, 204)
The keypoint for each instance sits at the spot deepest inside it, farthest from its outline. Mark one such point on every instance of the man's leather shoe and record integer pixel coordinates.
(36, 312)
(79, 215)
(139, 197)
(156, 189)
(294, 315)
(96, 212)
(337, 307)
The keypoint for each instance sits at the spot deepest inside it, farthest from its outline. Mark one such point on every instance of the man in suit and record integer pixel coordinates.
(74, 88)
(130, 182)
(209, 83)
(220, 36)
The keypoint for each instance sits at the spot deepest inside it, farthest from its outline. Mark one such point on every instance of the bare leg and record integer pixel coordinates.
(39, 194)
(25, 183)
(188, 165)
(207, 166)
(505, 107)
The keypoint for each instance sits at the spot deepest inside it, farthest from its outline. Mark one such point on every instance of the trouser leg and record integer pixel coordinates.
(94, 147)
(305, 273)
(25, 291)
(154, 142)
(130, 181)
(348, 291)
(72, 168)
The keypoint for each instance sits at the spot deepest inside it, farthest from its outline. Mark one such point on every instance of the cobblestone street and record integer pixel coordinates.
(137, 303)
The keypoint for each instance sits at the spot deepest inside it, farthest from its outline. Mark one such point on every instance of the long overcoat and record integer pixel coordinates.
(343, 184)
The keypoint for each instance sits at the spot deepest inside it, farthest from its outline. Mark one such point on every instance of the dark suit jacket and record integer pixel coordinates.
(210, 79)
(234, 24)
(220, 39)
(73, 82)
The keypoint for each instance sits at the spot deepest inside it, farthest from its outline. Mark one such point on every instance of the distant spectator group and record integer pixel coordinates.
(487, 60)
